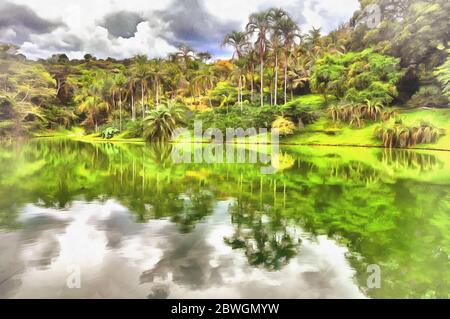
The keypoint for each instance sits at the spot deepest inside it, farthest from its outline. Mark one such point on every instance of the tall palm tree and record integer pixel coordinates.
(237, 74)
(131, 89)
(142, 73)
(250, 61)
(238, 40)
(260, 23)
(278, 16)
(157, 71)
(288, 30)
(205, 80)
(118, 88)
(186, 54)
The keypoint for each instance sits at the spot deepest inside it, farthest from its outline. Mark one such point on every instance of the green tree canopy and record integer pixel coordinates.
(357, 76)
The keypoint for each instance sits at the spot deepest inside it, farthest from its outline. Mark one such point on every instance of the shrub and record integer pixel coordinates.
(428, 96)
(356, 114)
(110, 132)
(400, 135)
(134, 129)
(253, 117)
(284, 126)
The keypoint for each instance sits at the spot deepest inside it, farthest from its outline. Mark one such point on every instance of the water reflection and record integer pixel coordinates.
(119, 258)
(140, 226)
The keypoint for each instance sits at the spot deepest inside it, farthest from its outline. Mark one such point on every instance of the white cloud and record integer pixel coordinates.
(82, 33)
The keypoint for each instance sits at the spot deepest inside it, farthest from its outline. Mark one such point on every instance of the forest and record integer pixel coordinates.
(387, 85)
(92, 185)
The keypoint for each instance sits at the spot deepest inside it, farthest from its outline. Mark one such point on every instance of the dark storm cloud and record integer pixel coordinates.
(122, 24)
(23, 21)
(190, 22)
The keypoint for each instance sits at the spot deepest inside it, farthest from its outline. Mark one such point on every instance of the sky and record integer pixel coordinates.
(122, 29)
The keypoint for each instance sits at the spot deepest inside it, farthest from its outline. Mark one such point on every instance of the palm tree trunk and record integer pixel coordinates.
(252, 81)
(120, 112)
(157, 92)
(133, 107)
(261, 90)
(142, 100)
(240, 92)
(276, 78)
(285, 75)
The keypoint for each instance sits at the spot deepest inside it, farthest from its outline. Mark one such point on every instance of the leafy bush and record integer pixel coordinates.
(284, 126)
(428, 96)
(221, 118)
(443, 75)
(253, 116)
(400, 135)
(134, 129)
(110, 132)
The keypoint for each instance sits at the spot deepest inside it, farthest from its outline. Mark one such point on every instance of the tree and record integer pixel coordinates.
(278, 15)
(312, 39)
(238, 40)
(288, 30)
(203, 56)
(260, 23)
(161, 122)
(90, 98)
(157, 71)
(142, 73)
(186, 54)
(357, 76)
(118, 89)
(443, 75)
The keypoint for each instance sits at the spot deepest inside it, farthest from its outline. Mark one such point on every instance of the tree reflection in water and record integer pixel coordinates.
(387, 207)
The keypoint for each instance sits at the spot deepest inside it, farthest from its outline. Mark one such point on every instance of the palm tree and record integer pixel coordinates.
(161, 122)
(131, 88)
(278, 16)
(250, 61)
(237, 74)
(313, 38)
(90, 96)
(203, 56)
(260, 23)
(238, 40)
(157, 71)
(141, 71)
(205, 80)
(119, 83)
(288, 30)
(186, 54)
(300, 71)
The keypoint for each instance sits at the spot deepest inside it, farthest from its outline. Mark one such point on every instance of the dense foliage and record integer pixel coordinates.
(403, 60)
(357, 77)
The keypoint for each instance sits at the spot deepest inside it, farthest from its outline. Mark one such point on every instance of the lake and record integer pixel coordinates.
(104, 220)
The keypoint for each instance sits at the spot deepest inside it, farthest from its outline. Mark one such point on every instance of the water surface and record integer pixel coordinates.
(137, 225)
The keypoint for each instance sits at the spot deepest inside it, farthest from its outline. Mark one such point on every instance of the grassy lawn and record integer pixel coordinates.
(325, 132)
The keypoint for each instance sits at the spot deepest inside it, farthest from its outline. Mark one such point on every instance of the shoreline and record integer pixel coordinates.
(139, 141)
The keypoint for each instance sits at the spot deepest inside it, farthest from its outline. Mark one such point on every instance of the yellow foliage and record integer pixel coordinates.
(284, 126)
